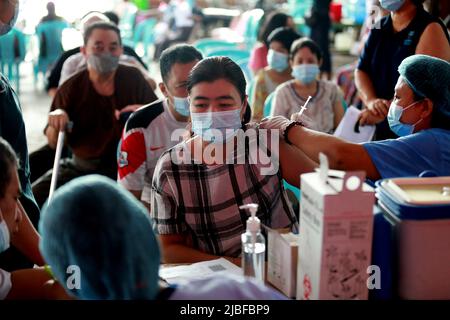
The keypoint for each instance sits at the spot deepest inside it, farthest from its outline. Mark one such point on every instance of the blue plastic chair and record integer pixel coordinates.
(12, 53)
(144, 32)
(268, 104)
(52, 48)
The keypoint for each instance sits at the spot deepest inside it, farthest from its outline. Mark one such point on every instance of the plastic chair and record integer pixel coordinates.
(296, 191)
(144, 33)
(268, 104)
(126, 25)
(243, 64)
(50, 44)
(234, 54)
(252, 26)
(208, 45)
(12, 53)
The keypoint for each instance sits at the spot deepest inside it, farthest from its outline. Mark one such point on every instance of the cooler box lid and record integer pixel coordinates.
(416, 198)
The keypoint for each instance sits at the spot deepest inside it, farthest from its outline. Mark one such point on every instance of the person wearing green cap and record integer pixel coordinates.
(419, 114)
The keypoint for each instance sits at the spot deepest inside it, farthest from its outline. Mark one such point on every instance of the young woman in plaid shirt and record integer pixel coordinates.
(196, 193)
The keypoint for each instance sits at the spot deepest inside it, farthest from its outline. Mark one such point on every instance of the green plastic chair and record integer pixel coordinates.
(52, 48)
(234, 54)
(268, 104)
(243, 64)
(252, 26)
(144, 32)
(12, 54)
(126, 26)
(208, 44)
(296, 191)
(250, 90)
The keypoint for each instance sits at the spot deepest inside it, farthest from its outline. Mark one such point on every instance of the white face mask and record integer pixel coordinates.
(4, 236)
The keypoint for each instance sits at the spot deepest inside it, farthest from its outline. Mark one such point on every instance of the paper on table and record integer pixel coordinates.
(346, 128)
(198, 270)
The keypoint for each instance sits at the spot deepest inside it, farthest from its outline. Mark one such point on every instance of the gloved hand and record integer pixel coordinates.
(275, 123)
(304, 119)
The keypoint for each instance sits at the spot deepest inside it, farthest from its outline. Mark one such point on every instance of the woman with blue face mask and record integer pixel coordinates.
(406, 31)
(17, 231)
(199, 185)
(277, 72)
(419, 114)
(325, 109)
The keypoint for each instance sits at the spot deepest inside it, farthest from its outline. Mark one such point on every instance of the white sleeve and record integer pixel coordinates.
(5, 283)
(71, 66)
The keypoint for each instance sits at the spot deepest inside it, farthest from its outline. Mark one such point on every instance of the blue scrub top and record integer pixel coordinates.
(411, 155)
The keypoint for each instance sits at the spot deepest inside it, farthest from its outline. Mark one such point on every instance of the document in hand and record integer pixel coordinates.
(349, 129)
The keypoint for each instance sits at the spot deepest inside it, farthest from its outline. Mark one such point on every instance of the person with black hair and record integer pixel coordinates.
(325, 109)
(320, 23)
(269, 22)
(16, 230)
(199, 185)
(54, 76)
(98, 101)
(408, 30)
(51, 13)
(277, 72)
(148, 132)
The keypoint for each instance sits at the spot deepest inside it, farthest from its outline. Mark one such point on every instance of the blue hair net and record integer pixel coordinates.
(428, 77)
(95, 225)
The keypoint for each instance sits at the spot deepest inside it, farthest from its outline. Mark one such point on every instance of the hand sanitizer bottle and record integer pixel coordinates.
(253, 246)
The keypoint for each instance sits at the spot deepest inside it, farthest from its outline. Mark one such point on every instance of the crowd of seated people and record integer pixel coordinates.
(147, 181)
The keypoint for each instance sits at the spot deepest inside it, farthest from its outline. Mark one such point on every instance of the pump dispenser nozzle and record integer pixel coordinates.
(253, 223)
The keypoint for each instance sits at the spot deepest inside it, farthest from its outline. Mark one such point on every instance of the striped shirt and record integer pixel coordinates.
(203, 201)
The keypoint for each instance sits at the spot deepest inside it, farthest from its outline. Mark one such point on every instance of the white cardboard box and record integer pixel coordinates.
(336, 225)
(282, 261)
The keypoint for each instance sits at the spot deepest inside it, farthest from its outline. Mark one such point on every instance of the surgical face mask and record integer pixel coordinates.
(6, 27)
(277, 60)
(394, 116)
(103, 63)
(181, 106)
(305, 73)
(218, 126)
(392, 5)
(4, 236)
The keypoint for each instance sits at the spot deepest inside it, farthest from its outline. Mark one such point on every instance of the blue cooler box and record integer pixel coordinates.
(412, 238)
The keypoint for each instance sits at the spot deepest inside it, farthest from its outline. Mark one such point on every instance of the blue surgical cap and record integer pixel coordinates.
(428, 77)
(95, 227)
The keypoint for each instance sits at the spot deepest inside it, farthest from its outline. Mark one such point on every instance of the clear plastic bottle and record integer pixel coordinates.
(253, 246)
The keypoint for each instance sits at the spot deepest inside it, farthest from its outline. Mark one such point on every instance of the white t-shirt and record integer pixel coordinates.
(146, 136)
(321, 107)
(182, 13)
(77, 63)
(5, 283)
